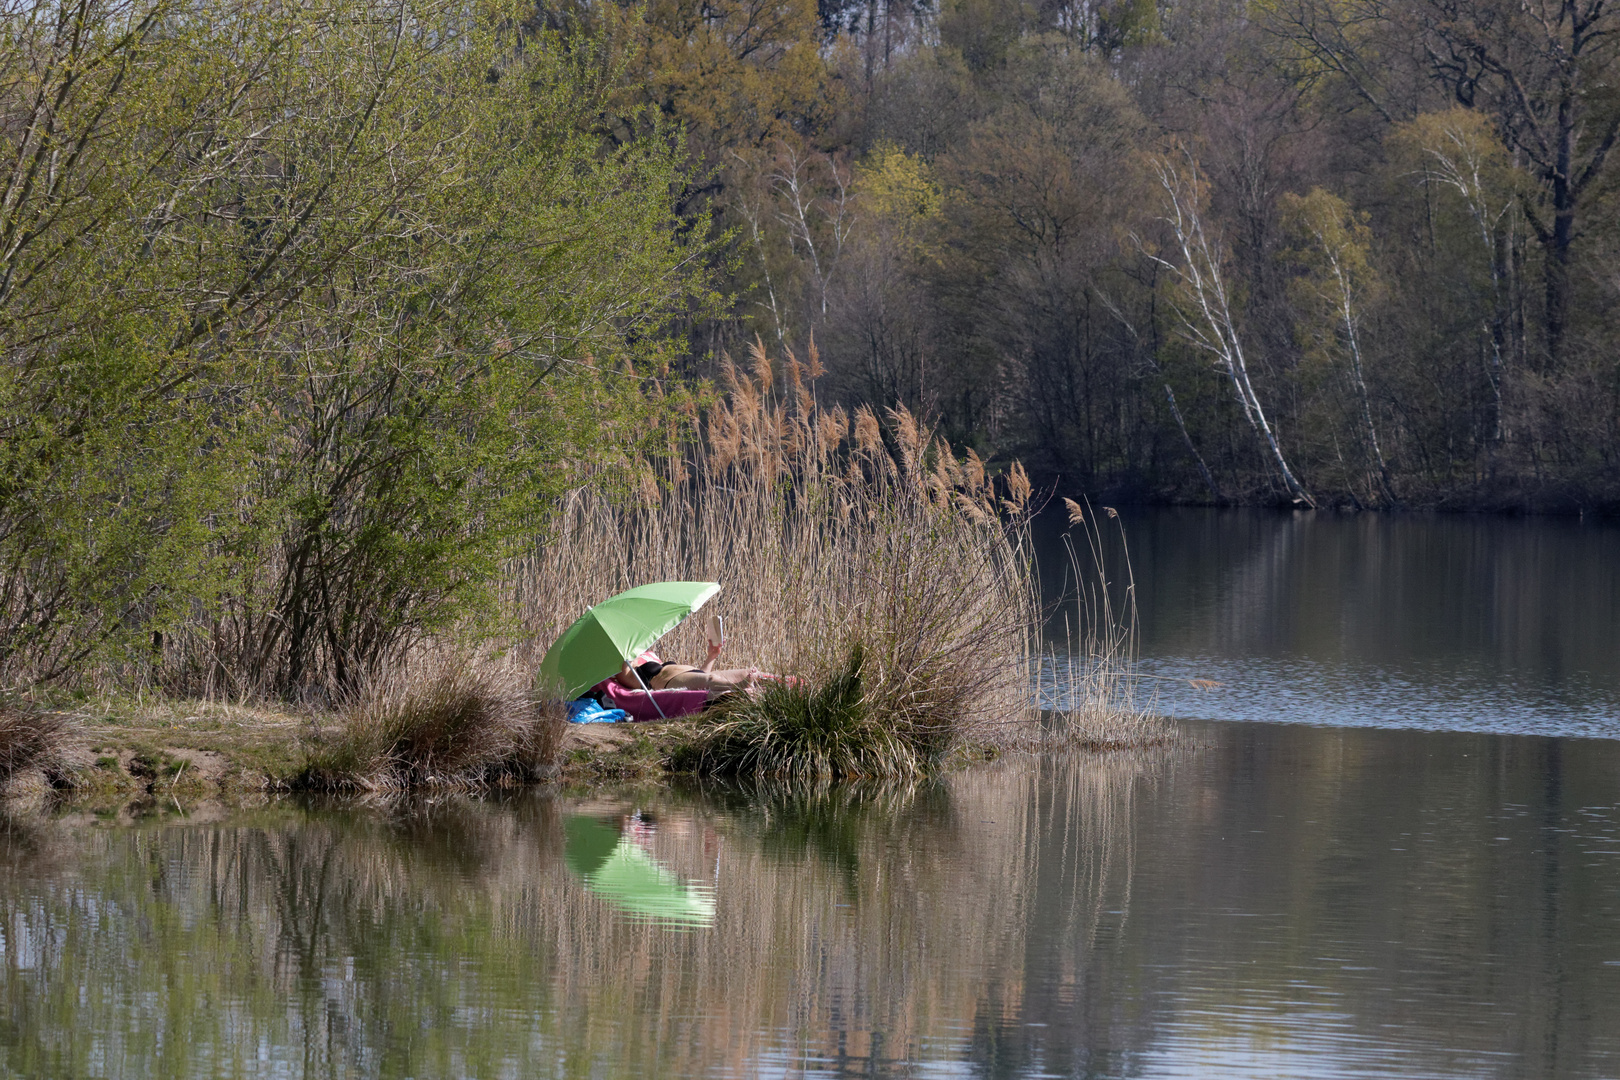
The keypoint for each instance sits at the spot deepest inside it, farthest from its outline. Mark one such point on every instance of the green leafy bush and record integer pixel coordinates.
(307, 315)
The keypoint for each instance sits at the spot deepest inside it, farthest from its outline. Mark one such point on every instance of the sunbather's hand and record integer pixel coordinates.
(714, 653)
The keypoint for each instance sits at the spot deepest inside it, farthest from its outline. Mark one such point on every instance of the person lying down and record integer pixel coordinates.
(658, 675)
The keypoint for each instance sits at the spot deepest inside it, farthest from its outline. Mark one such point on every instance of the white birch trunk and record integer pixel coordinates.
(1210, 326)
(1347, 314)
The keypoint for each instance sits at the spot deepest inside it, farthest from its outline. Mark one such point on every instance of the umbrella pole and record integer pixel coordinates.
(649, 694)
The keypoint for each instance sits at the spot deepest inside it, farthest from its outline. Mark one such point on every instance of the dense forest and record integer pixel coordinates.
(1322, 252)
(312, 315)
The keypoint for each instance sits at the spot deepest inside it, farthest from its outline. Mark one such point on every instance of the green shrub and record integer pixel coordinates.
(798, 730)
(311, 316)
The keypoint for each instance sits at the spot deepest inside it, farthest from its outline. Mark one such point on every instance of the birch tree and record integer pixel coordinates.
(1541, 70)
(1338, 282)
(1456, 152)
(1204, 307)
(797, 207)
(818, 217)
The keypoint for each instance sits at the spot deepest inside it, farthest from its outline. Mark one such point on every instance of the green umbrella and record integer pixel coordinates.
(615, 630)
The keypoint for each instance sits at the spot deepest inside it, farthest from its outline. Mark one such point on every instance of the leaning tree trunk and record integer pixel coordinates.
(1347, 314)
(1210, 325)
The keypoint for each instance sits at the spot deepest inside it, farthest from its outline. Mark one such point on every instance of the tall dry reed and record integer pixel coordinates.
(829, 532)
(1090, 689)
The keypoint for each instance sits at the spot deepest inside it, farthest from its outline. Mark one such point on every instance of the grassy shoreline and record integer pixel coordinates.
(129, 755)
(891, 577)
(894, 583)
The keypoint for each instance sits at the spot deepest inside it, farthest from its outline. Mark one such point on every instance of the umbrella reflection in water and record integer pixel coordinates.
(628, 877)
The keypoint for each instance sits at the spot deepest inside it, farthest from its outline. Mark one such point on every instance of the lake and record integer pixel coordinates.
(1417, 874)
(1427, 621)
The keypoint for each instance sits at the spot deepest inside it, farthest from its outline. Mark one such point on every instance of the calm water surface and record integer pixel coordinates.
(1275, 901)
(1436, 622)
(1345, 897)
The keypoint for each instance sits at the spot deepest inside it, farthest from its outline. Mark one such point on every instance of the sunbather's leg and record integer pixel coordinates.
(727, 679)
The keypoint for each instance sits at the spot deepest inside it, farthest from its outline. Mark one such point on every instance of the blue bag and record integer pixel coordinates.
(588, 711)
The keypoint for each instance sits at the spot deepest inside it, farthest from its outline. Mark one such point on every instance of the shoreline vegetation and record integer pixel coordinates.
(352, 349)
(891, 576)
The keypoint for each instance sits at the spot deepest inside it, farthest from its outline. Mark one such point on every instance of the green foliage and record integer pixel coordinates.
(307, 314)
(1337, 278)
(897, 188)
(105, 494)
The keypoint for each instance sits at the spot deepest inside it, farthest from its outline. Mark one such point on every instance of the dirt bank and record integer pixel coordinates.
(190, 751)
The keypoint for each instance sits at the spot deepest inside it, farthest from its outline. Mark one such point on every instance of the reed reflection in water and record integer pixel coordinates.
(854, 929)
(1285, 901)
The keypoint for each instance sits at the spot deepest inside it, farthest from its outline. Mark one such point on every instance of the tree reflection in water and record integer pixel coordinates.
(1235, 906)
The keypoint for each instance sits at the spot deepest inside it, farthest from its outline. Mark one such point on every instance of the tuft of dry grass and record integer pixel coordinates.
(808, 733)
(34, 739)
(441, 722)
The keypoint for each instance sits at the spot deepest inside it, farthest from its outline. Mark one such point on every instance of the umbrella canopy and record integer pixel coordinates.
(616, 629)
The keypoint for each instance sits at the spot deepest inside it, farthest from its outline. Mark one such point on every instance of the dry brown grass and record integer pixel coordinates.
(443, 721)
(828, 531)
(34, 739)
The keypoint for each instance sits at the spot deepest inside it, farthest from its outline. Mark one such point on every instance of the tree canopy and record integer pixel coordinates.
(310, 314)
(1408, 212)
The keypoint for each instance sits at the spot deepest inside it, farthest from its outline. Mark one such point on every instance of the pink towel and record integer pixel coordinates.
(635, 702)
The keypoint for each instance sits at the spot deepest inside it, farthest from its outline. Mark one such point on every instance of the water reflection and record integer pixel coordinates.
(1443, 622)
(1277, 901)
(620, 869)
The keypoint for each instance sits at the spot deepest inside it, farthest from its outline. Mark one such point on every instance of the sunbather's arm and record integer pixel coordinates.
(708, 665)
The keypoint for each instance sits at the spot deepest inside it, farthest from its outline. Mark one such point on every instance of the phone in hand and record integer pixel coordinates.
(714, 628)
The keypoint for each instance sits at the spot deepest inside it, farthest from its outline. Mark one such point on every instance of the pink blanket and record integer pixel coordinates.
(636, 702)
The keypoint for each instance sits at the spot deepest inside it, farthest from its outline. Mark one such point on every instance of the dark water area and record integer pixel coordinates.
(1416, 873)
(1429, 621)
(1268, 900)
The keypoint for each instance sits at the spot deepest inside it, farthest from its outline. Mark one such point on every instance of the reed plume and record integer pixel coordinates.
(1090, 688)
